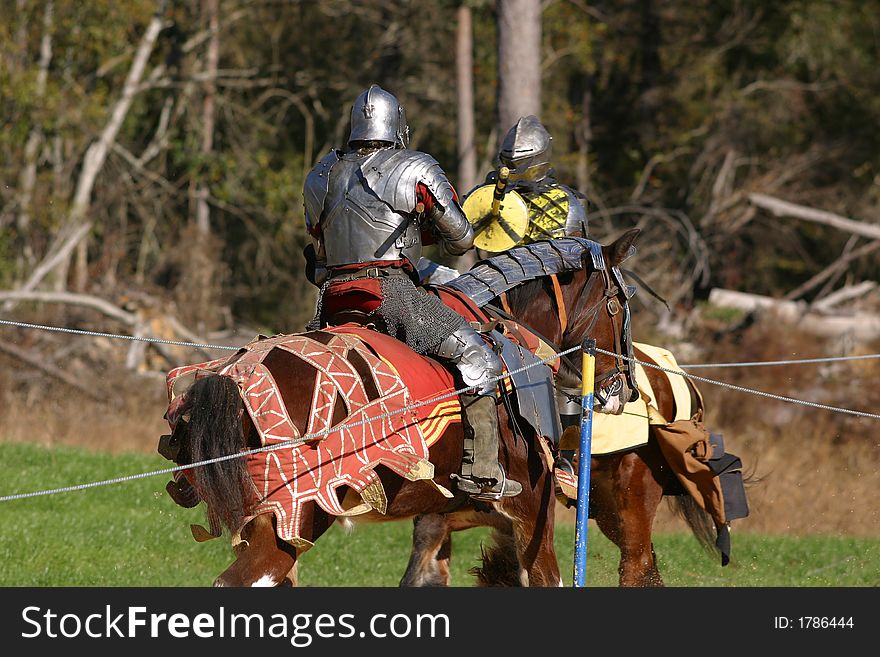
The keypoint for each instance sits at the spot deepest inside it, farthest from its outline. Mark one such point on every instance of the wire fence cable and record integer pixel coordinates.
(118, 336)
(752, 391)
(197, 345)
(313, 436)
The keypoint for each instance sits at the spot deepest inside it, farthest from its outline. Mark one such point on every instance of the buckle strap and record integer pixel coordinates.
(368, 272)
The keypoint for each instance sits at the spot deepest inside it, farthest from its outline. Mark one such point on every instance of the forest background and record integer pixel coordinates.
(152, 160)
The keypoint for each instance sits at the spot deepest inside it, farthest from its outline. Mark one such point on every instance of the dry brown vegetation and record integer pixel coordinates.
(106, 407)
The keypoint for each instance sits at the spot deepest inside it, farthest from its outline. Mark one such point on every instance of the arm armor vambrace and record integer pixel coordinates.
(452, 228)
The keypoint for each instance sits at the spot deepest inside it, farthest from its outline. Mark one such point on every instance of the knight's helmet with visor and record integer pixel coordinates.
(377, 115)
(526, 150)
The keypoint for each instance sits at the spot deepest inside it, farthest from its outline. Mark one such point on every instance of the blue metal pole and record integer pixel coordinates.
(584, 456)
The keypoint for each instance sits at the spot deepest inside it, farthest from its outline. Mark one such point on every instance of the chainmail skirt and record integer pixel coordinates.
(415, 316)
(408, 313)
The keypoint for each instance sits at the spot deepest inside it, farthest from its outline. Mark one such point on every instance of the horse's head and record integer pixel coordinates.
(174, 446)
(599, 300)
(208, 421)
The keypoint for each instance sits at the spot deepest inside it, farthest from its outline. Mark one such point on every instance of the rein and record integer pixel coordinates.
(560, 303)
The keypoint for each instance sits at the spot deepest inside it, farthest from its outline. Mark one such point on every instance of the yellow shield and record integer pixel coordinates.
(496, 233)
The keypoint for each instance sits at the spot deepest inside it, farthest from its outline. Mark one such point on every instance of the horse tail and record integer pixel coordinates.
(499, 565)
(215, 429)
(700, 523)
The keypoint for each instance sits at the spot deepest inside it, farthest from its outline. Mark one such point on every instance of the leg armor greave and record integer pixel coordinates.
(568, 402)
(478, 364)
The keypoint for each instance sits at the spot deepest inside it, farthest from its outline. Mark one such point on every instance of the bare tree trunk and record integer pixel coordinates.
(72, 232)
(467, 152)
(199, 281)
(212, 9)
(28, 177)
(519, 62)
(81, 270)
(21, 33)
(650, 73)
(583, 137)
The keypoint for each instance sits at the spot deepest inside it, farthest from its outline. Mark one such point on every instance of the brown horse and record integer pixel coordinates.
(626, 487)
(210, 421)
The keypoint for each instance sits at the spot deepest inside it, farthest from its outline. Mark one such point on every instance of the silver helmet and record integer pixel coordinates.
(377, 115)
(526, 149)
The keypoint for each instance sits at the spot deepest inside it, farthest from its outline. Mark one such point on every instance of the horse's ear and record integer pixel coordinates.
(622, 248)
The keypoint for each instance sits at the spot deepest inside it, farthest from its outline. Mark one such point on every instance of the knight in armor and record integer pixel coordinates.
(555, 210)
(369, 210)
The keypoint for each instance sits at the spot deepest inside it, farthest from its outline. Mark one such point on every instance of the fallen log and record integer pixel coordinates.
(859, 326)
(786, 209)
(69, 298)
(143, 323)
(827, 304)
(51, 370)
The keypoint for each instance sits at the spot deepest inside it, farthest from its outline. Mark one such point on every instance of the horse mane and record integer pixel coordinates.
(217, 429)
(523, 264)
(522, 293)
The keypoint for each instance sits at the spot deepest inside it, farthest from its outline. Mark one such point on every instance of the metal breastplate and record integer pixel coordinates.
(359, 226)
(554, 212)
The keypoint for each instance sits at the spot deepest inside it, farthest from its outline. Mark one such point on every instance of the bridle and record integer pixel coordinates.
(615, 302)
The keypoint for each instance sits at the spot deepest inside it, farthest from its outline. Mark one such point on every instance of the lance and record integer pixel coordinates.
(500, 190)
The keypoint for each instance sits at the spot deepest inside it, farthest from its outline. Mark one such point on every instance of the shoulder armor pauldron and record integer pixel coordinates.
(394, 174)
(316, 186)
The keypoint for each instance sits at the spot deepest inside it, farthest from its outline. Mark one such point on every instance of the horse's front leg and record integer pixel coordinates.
(637, 497)
(533, 515)
(429, 561)
(261, 558)
(432, 547)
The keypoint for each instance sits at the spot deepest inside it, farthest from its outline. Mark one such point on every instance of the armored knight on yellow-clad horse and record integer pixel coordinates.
(656, 446)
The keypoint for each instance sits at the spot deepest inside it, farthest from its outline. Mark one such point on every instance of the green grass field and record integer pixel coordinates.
(132, 534)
